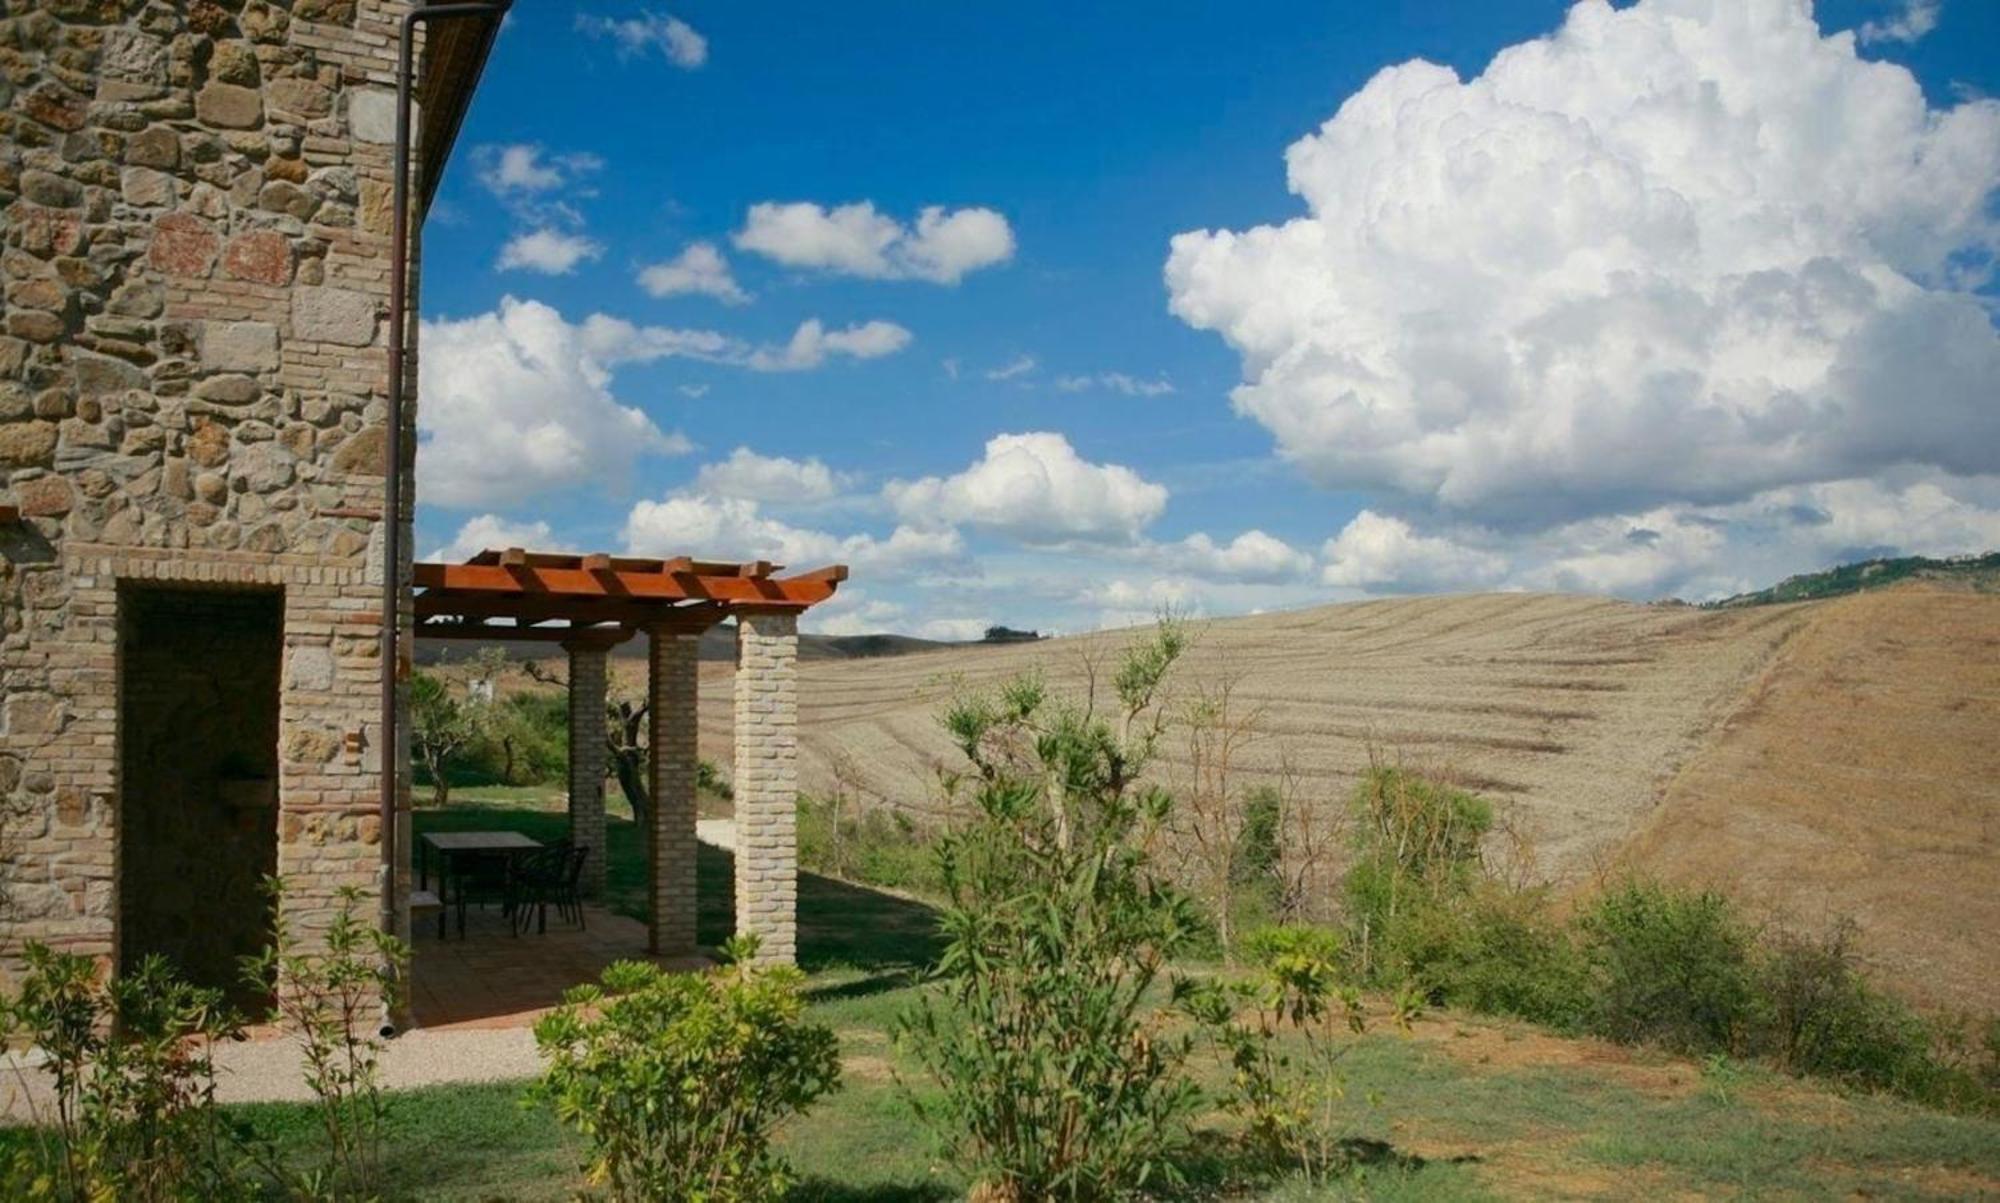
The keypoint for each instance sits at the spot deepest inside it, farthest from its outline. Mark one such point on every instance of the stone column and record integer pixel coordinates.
(767, 781)
(671, 843)
(587, 672)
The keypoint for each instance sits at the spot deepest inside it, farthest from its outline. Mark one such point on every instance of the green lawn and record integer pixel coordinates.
(1427, 1125)
(1464, 1108)
(1460, 1108)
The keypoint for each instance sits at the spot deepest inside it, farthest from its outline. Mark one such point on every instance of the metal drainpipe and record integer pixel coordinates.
(392, 508)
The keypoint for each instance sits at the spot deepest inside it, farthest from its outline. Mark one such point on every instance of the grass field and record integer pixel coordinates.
(1457, 1108)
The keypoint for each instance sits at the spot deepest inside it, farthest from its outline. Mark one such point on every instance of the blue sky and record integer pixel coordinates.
(1381, 418)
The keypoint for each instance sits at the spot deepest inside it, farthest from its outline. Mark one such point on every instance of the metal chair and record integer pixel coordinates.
(537, 879)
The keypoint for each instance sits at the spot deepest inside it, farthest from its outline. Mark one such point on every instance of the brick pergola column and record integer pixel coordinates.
(674, 694)
(766, 780)
(587, 673)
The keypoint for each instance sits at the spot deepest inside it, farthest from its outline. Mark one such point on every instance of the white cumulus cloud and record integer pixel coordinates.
(1382, 553)
(491, 532)
(856, 240)
(549, 251)
(1251, 556)
(616, 340)
(1035, 488)
(734, 528)
(518, 402)
(773, 479)
(1678, 252)
(1913, 20)
(671, 36)
(523, 167)
(812, 343)
(700, 269)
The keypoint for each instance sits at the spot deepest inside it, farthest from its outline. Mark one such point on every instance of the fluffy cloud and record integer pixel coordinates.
(769, 478)
(852, 611)
(671, 36)
(1383, 554)
(1035, 488)
(549, 251)
(1251, 556)
(525, 168)
(616, 340)
(488, 532)
(812, 343)
(1678, 253)
(1916, 18)
(698, 524)
(856, 240)
(1698, 552)
(700, 270)
(518, 402)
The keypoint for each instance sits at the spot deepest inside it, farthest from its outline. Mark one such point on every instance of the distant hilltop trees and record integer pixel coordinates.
(1010, 635)
(1978, 572)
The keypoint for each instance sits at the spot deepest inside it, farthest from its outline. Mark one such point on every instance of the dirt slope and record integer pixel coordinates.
(1861, 777)
(1573, 712)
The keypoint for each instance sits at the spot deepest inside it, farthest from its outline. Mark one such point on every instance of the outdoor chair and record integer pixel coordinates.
(480, 879)
(548, 876)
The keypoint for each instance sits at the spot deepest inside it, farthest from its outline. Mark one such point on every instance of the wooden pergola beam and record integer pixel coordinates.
(489, 633)
(541, 607)
(799, 591)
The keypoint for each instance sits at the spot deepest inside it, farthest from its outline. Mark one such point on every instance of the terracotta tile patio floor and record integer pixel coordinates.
(495, 979)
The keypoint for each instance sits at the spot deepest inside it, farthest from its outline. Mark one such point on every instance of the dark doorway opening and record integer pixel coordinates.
(198, 751)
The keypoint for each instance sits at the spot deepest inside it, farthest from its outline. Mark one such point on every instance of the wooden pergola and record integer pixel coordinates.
(588, 604)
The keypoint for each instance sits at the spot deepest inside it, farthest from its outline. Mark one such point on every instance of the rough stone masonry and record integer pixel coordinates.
(192, 393)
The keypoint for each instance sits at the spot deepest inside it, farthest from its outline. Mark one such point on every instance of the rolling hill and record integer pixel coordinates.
(1827, 757)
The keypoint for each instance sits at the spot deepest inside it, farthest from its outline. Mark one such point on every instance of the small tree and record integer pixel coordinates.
(677, 1081)
(1214, 810)
(1056, 1077)
(131, 1063)
(442, 729)
(331, 996)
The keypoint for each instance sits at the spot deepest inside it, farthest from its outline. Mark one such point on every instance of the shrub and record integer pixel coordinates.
(1056, 1077)
(876, 847)
(1820, 1017)
(332, 994)
(1490, 949)
(677, 1081)
(1416, 842)
(525, 740)
(1291, 1102)
(1672, 967)
(134, 1084)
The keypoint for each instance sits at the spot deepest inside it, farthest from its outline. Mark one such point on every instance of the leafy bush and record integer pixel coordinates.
(134, 1084)
(332, 994)
(876, 847)
(524, 741)
(1057, 1078)
(1291, 1102)
(677, 1081)
(1489, 949)
(1672, 967)
(1416, 842)
(1820, 1017)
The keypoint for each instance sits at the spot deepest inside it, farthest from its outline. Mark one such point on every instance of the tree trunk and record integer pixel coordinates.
(630, 766)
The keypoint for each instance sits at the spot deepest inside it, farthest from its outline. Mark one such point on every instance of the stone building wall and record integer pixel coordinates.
(192, 389)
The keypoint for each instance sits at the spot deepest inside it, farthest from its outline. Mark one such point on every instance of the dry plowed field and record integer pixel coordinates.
(1822, 758)
(1861, 778)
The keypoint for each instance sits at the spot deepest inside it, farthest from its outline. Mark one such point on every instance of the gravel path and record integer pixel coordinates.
(267, 1069)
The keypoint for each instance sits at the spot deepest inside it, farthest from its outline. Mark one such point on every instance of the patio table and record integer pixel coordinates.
(454, 848)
